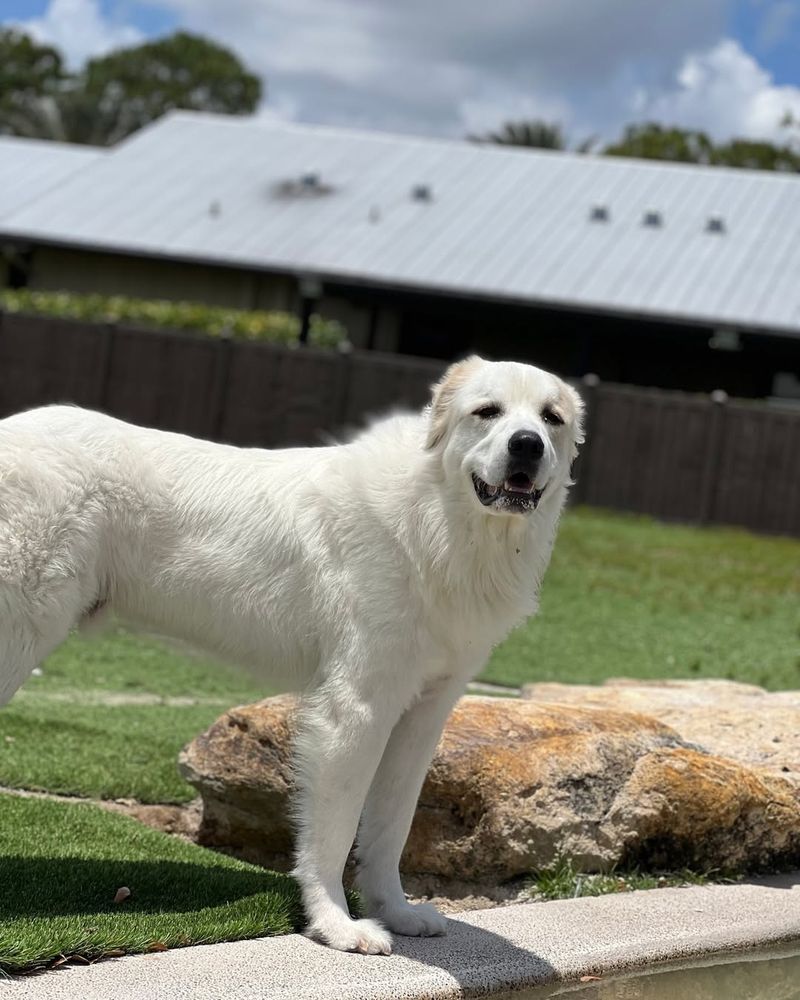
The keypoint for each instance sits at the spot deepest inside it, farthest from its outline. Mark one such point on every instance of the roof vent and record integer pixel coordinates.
(308, 185)
(599, 213)
(214, 209)
(421, 192)
(715, 224)
(654, 220)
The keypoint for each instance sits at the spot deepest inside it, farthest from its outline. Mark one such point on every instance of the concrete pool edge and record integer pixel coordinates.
(487, 951)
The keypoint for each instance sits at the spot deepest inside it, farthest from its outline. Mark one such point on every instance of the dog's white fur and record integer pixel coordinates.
(367, 574)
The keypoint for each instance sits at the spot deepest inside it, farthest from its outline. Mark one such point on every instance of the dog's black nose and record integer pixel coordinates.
(526, 445)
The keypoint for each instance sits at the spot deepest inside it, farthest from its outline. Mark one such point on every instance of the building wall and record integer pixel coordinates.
(56, 269)
(111, 274)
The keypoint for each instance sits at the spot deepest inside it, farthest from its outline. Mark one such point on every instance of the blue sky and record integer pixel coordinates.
(454, 66)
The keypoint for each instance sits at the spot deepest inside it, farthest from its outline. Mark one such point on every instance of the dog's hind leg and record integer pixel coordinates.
(30, 631)
(21, 651)
(342, 732)
(389, 810)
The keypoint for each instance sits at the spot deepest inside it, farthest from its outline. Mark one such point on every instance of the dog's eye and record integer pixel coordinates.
(551, 417)
(487, 412)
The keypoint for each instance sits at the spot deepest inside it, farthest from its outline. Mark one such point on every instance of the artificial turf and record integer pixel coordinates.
(62, 864)
(108, 716)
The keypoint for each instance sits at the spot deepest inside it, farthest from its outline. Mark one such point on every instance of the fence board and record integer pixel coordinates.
(47, 361)
(279, 396)
(672, 455)
(378, 382)
(759, 476)
(162, 380)
(649, 450)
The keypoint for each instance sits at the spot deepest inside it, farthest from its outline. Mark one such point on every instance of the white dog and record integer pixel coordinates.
(376, 575)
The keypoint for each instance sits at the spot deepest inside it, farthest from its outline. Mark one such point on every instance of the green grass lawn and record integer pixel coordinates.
(628, 596)
(61, 866)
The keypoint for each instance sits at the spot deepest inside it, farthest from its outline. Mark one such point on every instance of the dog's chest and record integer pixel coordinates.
(477, 611)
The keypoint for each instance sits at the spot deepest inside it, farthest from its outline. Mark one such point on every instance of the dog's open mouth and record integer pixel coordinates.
(517, 493)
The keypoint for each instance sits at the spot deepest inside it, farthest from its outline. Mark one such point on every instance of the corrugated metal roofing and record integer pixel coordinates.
(502, 223)
(30, 167)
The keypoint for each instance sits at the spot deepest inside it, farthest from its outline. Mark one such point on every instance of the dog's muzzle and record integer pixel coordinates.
(517, 493)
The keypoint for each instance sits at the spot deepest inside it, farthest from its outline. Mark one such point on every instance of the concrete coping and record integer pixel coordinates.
(485, 952)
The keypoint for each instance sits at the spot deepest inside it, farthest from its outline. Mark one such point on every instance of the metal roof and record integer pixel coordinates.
(502, 223)
(30, 167)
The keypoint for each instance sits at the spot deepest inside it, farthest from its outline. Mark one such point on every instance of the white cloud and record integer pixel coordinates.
(449, 67)
(79, 29)
(725, 92)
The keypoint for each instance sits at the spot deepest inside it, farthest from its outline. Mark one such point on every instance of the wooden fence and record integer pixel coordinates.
(673, 455)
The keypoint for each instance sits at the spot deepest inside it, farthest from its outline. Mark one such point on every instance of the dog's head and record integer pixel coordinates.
(507, 432)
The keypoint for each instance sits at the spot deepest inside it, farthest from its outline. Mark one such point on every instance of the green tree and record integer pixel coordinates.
(534, 134)
(26, 67)
(657, 142)
(114, 95)
(757, 155)
(136, 85)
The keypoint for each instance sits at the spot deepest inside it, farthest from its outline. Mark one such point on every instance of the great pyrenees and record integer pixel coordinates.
(376, 576)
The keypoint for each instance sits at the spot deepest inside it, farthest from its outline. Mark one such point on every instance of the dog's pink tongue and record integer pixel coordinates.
(518, 487)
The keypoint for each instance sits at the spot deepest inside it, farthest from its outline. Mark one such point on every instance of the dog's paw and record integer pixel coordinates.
(365, 936)
(420, 920)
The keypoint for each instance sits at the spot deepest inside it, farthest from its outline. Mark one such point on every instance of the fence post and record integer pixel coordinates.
(104, 368)
(342, 400)
(219, 390)
(580, 491)
(716, 427)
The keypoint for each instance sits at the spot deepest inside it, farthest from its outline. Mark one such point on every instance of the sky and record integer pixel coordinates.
(457, 67)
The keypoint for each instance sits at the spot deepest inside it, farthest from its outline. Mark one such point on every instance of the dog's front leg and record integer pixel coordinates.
(389, 811)
(341, 735)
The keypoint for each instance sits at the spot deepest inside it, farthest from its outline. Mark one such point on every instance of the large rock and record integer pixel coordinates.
(516, 784)
(735, 720)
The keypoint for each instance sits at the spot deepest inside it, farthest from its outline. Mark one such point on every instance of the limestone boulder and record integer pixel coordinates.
(514, 785)
(241, 767)
(740, 721)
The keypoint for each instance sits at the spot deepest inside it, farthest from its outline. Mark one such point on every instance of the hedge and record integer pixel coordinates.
(214, 321)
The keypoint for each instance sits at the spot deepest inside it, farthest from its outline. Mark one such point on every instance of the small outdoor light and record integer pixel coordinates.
(725, 340)
(310, 286)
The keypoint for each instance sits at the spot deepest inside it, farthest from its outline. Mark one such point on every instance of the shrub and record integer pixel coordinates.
(213, 321)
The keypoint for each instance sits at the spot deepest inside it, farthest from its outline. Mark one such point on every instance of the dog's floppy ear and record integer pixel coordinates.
(576, 405)
(443, 393)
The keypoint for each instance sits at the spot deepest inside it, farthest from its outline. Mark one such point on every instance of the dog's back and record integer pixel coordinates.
(205, 542)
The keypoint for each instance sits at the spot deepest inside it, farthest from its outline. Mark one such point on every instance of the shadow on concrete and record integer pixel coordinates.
(477, 960)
